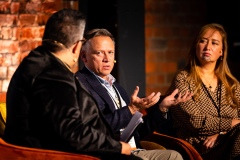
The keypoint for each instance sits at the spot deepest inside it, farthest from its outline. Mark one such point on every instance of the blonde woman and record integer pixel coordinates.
(210, 120)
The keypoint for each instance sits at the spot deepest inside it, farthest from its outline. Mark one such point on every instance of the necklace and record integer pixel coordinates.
(209, 83)
(218, 106)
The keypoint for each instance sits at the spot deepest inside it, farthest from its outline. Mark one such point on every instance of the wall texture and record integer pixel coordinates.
(21, 28)
(170, 26)
(22, 24)
(169, 29)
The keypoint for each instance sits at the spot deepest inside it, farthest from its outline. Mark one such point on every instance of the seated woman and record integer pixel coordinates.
(210, 120)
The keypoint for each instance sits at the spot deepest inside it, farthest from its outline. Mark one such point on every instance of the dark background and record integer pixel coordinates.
(125, 20)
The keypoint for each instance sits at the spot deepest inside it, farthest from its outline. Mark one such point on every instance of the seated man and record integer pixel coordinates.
(98, 54)
(47, 107)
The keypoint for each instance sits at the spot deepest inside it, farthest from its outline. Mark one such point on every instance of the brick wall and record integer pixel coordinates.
(169, 26)
(169, 29)
(22, 23)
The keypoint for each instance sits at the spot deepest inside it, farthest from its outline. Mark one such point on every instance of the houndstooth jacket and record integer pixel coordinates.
(194, 120)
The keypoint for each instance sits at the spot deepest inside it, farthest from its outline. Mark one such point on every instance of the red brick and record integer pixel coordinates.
(176, 43)
(160, 79)
(51, 7)
(41, 30)
(154, 56)
(1, 59)
(150, 79)
(163, 31)
(33, 7)
(155, 89)
(3, 72)
(7, 20)
(177, 55)
(4, 6)
(154, 19)
(25, 45)
(158, 44)
(151, 67)
(16, 59)
(158, 6)
(42, 18)
(27, 19)
(154, 79)
(7, 59)
(37, 32)
(1, 96)
(15, 7)
(167, 67)
(16, 32)
(148, 32)
(6, 33)
(7, 46)
(27, 33)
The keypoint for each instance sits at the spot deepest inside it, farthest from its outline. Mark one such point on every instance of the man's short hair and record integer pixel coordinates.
(63, 29)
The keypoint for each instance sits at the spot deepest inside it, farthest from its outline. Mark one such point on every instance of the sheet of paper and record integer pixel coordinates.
(127, 133)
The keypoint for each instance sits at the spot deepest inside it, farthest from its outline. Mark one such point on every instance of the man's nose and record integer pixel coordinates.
(105, 57)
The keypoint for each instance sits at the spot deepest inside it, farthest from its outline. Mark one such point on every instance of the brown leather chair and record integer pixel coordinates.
(13, 152)
(187, 151)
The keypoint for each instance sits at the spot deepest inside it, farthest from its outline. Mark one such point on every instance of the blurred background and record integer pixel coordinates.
(152, 36)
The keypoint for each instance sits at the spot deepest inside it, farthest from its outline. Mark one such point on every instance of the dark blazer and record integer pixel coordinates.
(47, 107)
(119, 118)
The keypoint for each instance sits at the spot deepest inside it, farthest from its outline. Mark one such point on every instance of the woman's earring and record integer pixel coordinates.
(221, 58)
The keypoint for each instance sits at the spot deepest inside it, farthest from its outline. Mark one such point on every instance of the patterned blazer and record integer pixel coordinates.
(194, 120)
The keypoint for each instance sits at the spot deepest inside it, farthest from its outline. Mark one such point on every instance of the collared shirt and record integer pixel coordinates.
(111, 89)
(115, 96)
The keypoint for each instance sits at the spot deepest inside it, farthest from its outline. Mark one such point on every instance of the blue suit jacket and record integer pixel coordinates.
(117, 119)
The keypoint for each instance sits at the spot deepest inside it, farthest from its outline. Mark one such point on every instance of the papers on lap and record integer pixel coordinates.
(132, 126)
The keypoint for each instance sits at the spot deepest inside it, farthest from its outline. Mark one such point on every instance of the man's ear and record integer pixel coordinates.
(83, 56)
(76, 47)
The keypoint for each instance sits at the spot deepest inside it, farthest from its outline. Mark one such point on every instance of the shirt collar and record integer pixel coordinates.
(108, 83)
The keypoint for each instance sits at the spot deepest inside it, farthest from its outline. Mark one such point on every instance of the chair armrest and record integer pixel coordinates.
(187, 151)
(10, 152)
(151, 145)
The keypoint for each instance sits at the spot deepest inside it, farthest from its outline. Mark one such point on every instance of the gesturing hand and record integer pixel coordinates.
(138, 103)
(172, 100)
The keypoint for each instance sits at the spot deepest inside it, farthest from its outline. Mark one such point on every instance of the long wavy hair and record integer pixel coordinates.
(222, 70)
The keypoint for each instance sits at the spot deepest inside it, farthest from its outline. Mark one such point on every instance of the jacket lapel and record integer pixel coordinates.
(97, 87)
